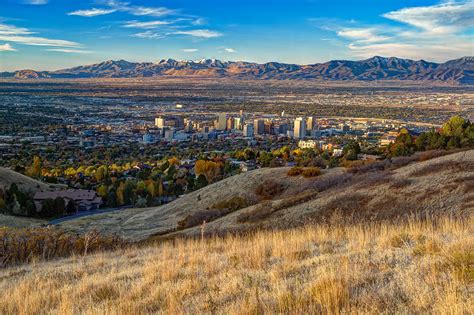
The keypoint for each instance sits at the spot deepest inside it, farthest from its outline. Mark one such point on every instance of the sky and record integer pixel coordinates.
(57, 34)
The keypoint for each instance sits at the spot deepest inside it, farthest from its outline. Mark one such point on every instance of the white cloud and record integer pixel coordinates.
(200, 33)
(38, 41)
(6, 47)
(35, 2)
(10, 33)
(139, 10)
(444, 18)
(146, 25)
(70, 51)
(362, 34)
(13, 30)
(190, 50)
(199, 21)
(149, 35)
(157, 12)
(430, 51)
(91, 12)
(432, 32)
(229, 50)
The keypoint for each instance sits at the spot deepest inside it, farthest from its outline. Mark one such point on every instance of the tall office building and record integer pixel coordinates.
(269, 127)
(258, 126)
(160, 122)
(299, 128)
(230, 123)
(248, 130)
(239, 123)
(222, 121)
(310, 123)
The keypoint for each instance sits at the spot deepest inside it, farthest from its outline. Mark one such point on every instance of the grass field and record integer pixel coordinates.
(415, 267)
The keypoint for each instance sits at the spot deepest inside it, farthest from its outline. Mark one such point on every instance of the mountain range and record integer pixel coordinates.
(458, 71)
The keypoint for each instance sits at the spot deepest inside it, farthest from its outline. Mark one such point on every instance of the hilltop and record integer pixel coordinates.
(377, 192)
(458, 71)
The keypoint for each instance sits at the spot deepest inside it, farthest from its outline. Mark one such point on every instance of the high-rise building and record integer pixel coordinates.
(258, 126)
(310, 123)
(222, 121)
(248, 130)
(269, 127)
(160, 122)
(299, 128)
(230, 123)
(239, 122)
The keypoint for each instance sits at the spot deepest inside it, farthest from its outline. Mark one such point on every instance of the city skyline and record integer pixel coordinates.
(49, 35)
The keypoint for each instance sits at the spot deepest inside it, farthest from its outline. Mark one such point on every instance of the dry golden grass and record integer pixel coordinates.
(417, 267)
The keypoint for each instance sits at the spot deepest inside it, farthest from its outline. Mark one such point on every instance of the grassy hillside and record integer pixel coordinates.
(376, 192)
(19, 222)
(25, 183)
(415, 267)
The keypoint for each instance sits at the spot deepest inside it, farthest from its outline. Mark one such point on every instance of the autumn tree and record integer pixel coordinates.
(35, 169)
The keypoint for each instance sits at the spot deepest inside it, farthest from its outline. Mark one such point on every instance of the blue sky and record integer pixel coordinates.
(54, 34)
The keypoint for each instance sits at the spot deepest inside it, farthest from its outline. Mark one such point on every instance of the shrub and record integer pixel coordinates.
(218, 210)
(262, 211)
(25, 245)
(351, 206)
(400, 240)
(311, 172)
(400, 183)
(269, 189)
(295, 171)
(232, 204)
(199, 217)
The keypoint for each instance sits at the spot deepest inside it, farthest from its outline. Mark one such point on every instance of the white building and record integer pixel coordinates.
(222, 121)
(159, 122)
(299, 128)
(308, 144)
(239, 123)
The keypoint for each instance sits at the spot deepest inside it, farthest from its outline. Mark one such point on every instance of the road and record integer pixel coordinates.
(84, 214)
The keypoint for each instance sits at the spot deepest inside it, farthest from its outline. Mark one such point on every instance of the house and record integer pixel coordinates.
(248, 166)
(84, 200)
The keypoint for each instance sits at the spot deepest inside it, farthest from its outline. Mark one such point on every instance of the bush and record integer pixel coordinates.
(311, 172)
(269, 189)
(232, 204)
(199, 217)
(295, 171)
(25, 245)
(218, 210)
(262, 211)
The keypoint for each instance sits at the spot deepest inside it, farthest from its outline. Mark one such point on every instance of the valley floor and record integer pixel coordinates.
(415, 267)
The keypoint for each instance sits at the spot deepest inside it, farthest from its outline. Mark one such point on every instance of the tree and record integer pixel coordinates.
(59, 206)
(119, 194)
(151, 188)
(47, 208)
(71, 207)
(102, 191)
(201, 182)
(35, 169)
(351, 150)
(454, 127)
(101, 173)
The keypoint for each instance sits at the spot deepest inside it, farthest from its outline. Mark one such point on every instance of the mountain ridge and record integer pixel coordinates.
(377, 68)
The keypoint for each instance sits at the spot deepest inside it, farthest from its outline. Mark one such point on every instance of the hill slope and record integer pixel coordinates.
(419, 267)
(459, 71)
(25, 183)
(438, 186)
